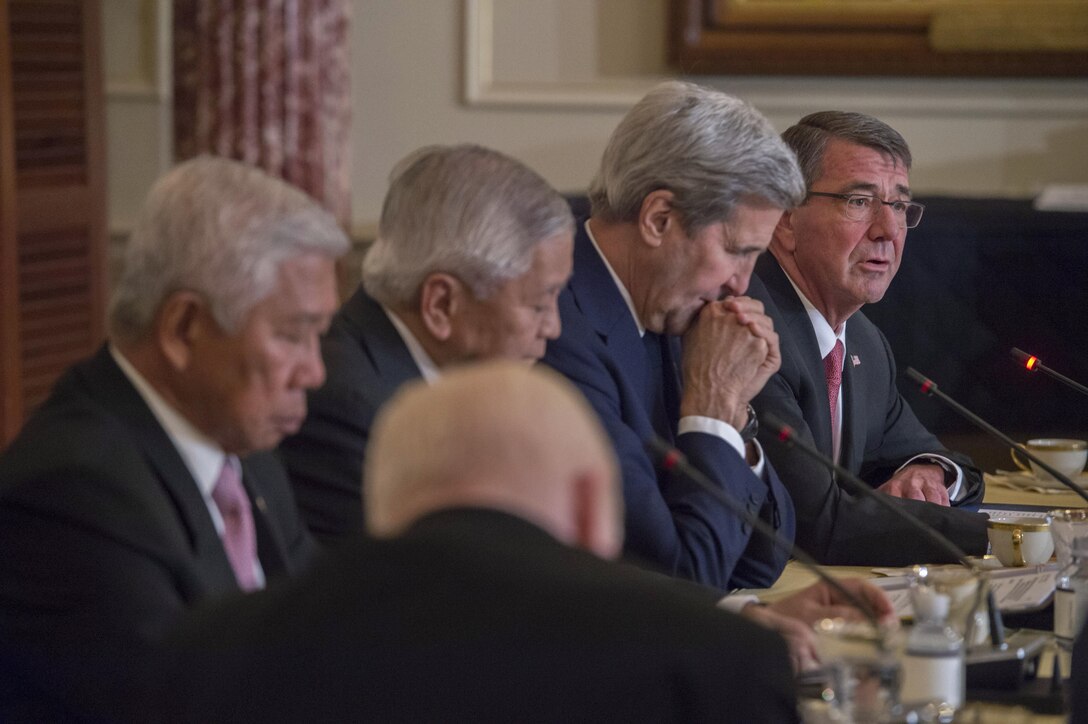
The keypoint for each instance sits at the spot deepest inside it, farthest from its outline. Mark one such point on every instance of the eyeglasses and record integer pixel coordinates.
(863, 207)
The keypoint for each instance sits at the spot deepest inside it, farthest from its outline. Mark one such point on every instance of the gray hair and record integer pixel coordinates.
(809, 136)
(219, 228)
(711, 150)
(464, 210)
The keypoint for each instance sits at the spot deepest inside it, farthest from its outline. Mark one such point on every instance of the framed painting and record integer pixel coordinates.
(963, 38)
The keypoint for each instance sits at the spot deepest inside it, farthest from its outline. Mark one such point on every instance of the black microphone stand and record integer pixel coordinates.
(672, 460)
(1033, 364)
(929, 387)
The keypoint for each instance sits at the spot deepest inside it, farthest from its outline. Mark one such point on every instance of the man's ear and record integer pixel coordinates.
(440, 300)
(783, 238)
(596, 513)
(180, 322)
(655, 216)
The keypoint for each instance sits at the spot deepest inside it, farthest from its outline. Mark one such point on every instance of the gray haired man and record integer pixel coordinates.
(836, 387)
(689, 190)
(143, 485)
(473, 249)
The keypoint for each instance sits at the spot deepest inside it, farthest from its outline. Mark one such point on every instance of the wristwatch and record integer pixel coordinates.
(748, 432)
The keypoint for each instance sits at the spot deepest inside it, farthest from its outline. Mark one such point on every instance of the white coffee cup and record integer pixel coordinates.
(1020, 541)
(1066, 456)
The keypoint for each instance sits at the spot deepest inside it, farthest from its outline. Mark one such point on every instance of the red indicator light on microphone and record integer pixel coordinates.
(1032, 361)
(672, 457)
(927, 386)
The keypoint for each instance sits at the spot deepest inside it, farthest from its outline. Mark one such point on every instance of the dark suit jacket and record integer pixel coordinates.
(475, 615)
(365, 362)
(105, 535)
(880, 433)
(636, 393)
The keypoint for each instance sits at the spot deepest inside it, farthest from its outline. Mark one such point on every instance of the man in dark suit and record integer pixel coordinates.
(837, 384)
(486, 597)
(143, 485)
(689, 190)
(472, 250)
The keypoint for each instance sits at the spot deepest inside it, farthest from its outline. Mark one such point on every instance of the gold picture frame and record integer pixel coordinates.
(962, 38)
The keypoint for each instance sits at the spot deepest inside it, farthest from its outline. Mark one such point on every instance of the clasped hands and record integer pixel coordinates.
(730, 351)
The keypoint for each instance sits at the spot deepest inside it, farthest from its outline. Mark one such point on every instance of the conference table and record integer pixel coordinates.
(796, 577)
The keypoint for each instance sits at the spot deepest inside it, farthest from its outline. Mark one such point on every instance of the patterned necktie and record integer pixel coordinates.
(239, 538)
(833, 372)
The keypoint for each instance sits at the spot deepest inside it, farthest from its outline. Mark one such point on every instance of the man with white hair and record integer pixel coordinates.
(690, 187)
(143, 485)
(473, 248)
(485, 596)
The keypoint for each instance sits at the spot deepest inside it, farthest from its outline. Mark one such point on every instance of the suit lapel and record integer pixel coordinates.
(596, 295)
(108, 385)
(800, 333)
(369, 325)
(271, 548)
(853, 438)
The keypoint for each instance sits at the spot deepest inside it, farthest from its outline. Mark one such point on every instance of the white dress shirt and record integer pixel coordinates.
(427, 368)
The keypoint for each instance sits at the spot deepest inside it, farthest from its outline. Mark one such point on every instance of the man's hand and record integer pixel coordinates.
(822, 601)
(793, 617)
(800, 638)
(730, 352)
(918, 481)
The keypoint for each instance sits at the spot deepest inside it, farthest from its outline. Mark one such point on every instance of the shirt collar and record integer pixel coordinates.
(619, 284)
(202, 456)
(825, 335)
(427, 368)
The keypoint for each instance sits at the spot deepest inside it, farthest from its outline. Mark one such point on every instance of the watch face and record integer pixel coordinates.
(751, 427)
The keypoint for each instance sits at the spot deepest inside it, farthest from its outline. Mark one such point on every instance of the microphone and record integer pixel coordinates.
(672, 460)
(929, 387)
(1032, 363)
(787, 435)
(997, 628)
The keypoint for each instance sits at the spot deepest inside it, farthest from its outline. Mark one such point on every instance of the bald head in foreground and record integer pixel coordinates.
(500, 437)
(485, 594)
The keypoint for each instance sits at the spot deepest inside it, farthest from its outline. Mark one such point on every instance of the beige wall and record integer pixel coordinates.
(547, 80)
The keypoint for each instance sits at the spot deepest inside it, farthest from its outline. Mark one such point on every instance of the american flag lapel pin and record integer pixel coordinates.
(854, 359)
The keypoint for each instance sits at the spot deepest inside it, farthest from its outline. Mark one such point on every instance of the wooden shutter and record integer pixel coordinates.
(52, 179)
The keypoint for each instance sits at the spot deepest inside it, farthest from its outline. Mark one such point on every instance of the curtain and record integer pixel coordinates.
(266, 82)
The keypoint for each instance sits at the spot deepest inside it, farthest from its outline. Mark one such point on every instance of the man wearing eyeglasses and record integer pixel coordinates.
(836, 252)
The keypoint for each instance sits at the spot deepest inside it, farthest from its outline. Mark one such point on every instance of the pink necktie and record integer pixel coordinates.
(239, 538)
(833, 372)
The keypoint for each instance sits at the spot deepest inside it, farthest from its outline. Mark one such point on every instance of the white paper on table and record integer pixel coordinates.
(1015, 589)
(1006, 513)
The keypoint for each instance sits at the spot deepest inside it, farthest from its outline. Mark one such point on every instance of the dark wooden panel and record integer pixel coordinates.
(52, 166)
(11, 398)
(50, 128)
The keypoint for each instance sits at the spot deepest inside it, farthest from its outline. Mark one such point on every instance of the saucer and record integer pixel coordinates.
(1022, 480)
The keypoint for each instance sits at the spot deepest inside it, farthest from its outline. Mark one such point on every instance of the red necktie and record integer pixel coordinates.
(239, 538)
(833, 372)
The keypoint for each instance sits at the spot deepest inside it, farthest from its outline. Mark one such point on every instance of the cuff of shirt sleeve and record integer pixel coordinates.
(735, 602)
(724, 431)
(953, 473)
